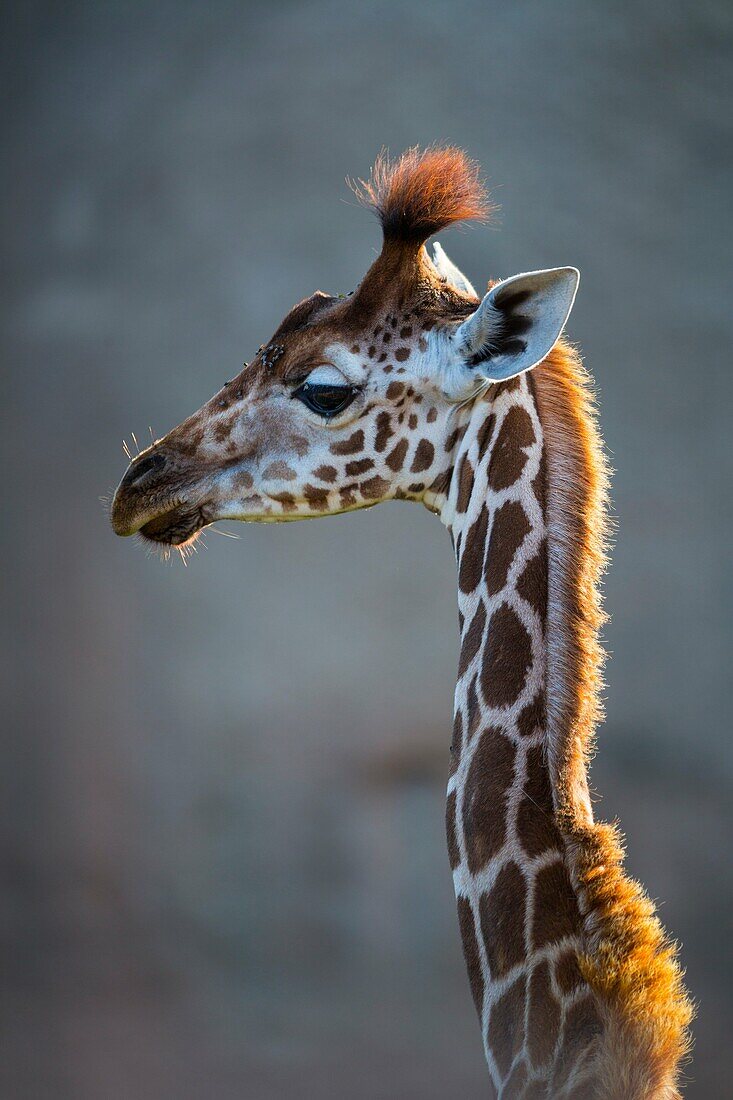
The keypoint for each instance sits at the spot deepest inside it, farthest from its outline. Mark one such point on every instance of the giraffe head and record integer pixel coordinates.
(354, 400)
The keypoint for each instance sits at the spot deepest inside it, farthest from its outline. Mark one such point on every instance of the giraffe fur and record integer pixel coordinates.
(413, 389)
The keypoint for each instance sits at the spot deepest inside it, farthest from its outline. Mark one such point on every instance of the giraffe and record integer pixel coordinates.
(415, 388)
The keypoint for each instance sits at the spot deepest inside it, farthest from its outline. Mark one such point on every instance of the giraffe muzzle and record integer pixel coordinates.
(158, 500)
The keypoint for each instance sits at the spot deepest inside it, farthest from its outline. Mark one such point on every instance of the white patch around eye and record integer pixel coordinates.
(352, 366)
(327, 376)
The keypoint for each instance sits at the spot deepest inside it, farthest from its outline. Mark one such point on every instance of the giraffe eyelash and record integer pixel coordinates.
(327, 400)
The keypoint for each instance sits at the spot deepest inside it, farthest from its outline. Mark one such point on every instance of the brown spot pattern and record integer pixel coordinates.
(456, 745)
(360, 466)
(453, 438)
(506, 1026)
(279, 471)
(374, 488)
(454, 854)
(535, 816)
(384, 431)
(509, 531)
(465, 484)
(396, 458)
(189, 445)
(441, 482)
(471, 952)
(514, 1087)
(484, 801)
(223, 430)
(567, 972)
(544, 1017)
(402, 354)
(532, 585)
(502, 913)
(555, 909)
(509, 386)
(473, 707)
(507, 658)
(424, 455)
(349, 446)
(536, 1090)
(471, 568)
(485, 433)
(300, 445)
(325, 473)
(533, 716)
(287, 500)
(471, 641)
(508, 457)
(317, 498)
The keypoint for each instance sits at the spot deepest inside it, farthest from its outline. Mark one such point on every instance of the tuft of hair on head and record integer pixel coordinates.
(423, 191)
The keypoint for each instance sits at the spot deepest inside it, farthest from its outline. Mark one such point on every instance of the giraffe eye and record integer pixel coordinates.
(326, 392)
(324, 399)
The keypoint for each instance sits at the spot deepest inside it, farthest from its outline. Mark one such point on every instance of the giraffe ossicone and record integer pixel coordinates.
(413, 389)
(448, 271)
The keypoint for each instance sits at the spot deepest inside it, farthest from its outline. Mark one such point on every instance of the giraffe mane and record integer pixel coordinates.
(628, 961)
(423, 191)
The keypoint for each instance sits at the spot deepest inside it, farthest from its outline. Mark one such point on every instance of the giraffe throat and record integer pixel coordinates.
(518, 912)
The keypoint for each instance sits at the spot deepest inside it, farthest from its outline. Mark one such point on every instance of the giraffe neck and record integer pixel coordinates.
(518, 913)
(558, 942)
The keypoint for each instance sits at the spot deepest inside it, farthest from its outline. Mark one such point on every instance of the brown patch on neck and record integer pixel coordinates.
(629, 963)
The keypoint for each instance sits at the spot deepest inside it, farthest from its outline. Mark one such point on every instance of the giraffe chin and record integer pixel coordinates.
(178, 527)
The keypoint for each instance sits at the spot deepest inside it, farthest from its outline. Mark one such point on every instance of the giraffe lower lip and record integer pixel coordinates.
(174, 528)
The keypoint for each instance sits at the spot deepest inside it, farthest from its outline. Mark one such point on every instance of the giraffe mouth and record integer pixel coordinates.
(177, 527)
(166, 511)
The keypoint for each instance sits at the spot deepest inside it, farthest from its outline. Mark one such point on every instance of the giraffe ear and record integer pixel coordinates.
(517, 323)
(448, 271)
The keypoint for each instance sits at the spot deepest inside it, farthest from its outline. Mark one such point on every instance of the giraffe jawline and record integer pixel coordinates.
(178, 527)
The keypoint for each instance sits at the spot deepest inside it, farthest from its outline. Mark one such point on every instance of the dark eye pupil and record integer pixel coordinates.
(324, 399)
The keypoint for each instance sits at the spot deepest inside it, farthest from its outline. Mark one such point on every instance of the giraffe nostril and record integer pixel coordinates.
(145, 481)
(147, 465)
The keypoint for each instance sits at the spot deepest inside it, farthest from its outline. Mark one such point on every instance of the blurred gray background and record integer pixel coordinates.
(224, 870)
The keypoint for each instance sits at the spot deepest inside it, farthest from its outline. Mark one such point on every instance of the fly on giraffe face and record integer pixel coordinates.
(415, 388)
